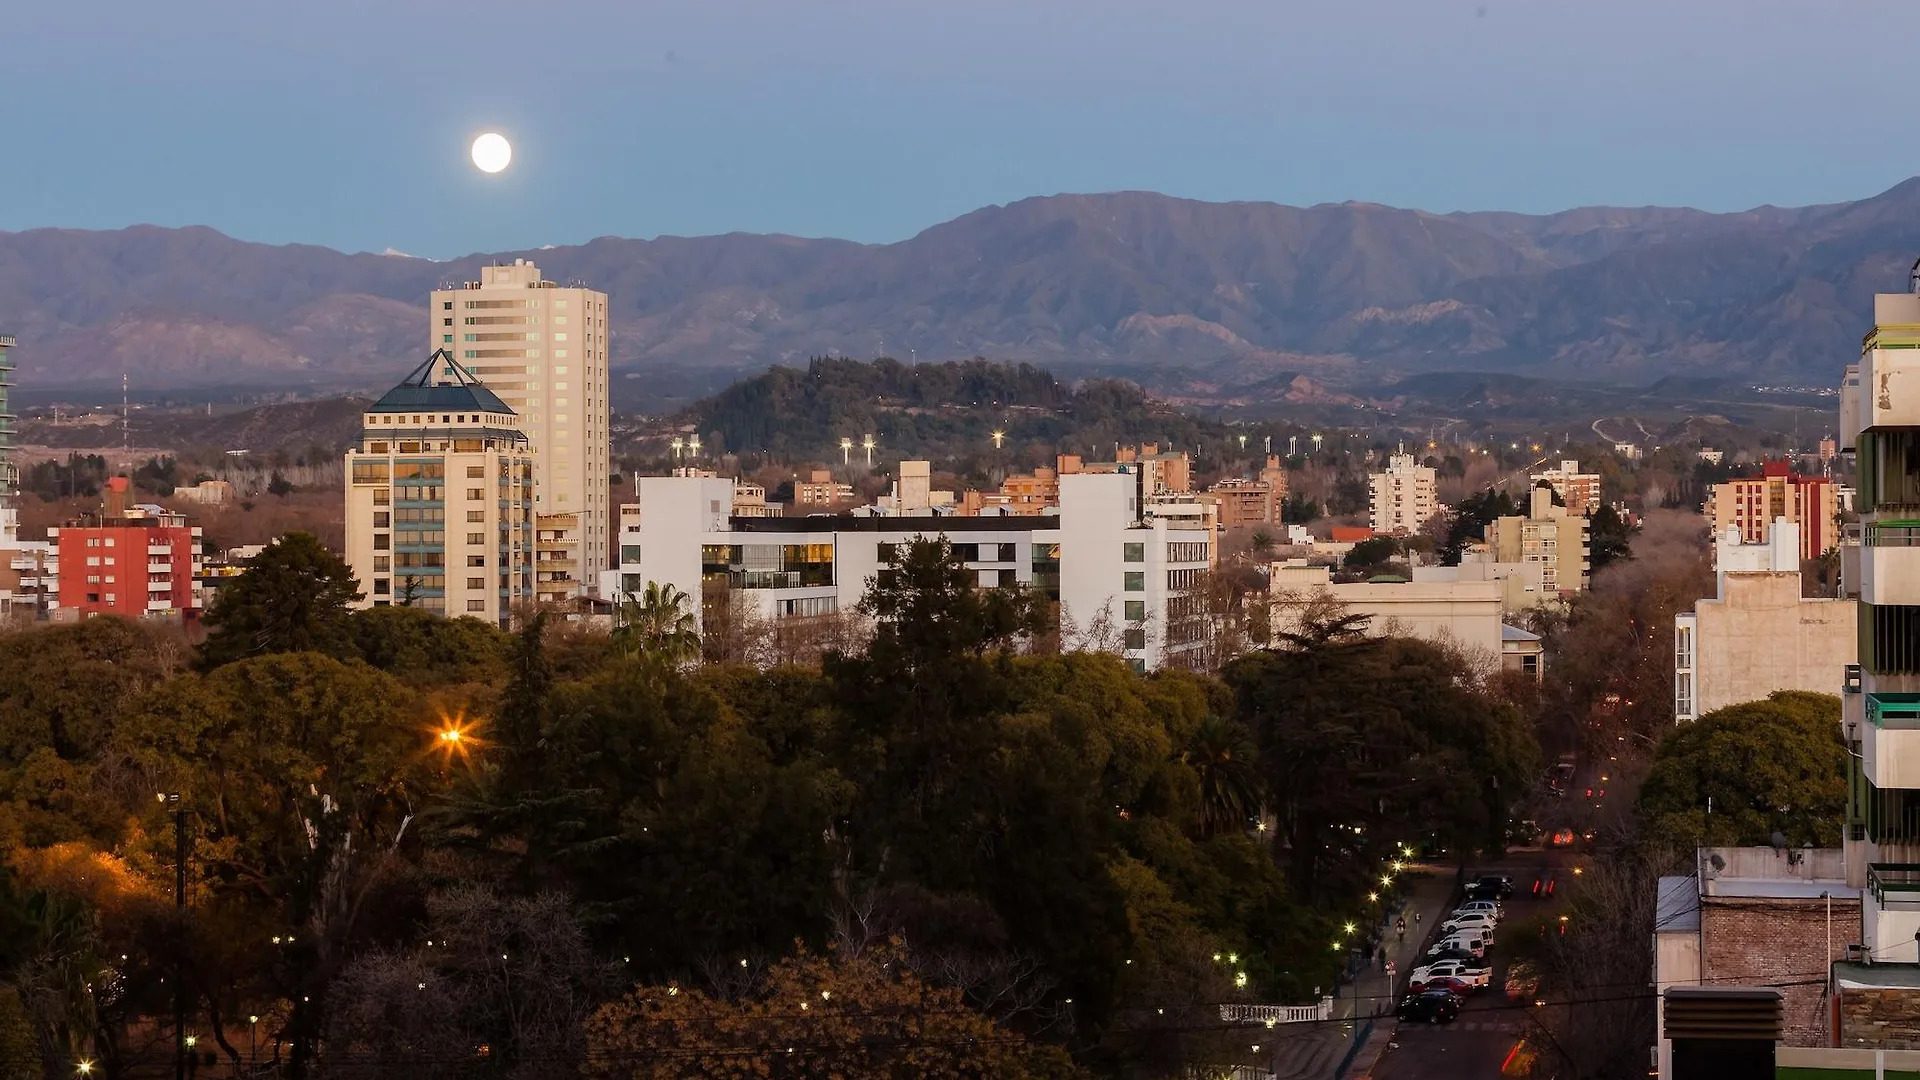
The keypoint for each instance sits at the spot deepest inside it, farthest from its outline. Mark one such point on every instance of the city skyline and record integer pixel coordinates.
(847, 123)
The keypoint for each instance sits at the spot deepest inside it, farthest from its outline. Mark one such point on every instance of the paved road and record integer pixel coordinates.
(1478, 1044)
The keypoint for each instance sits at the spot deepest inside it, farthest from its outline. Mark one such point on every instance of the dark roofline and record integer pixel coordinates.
(421, 378)
(931, 524)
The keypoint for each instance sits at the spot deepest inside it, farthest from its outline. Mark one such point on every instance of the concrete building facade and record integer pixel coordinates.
(1579, 491)
(1880, 708)
(440, 498)
(1753, 504)
(1403, 498)
(1250, 500)
(1758, 634)
(542, 348)
(1466, 614)
(1549, 536)
(1123, 567)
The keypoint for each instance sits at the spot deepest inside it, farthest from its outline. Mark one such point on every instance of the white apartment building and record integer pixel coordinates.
(1757, 634)
(439, 497)
(1579, 491)
(1105, 563)
(1403, 498)
(1466, 613)
(543, 349)
(1880, 706)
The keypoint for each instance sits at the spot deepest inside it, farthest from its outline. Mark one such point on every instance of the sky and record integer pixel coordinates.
(346, 122)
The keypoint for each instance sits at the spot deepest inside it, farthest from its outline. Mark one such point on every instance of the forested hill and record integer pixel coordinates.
(945, 411)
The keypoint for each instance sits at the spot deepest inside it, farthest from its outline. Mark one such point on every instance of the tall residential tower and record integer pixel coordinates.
(543, 349)
(440, 498)
(1880, 708)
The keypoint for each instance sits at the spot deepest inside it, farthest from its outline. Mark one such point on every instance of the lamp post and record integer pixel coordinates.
(181, 1040)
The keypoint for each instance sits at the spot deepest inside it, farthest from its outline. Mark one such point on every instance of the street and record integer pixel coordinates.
(1484, 1038)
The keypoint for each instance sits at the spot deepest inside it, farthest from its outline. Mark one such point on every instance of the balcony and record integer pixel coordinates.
(1889, 389)
(160, 549)
(1890, 565)
(1890, 740)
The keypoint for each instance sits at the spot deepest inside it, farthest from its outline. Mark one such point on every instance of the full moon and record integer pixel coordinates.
(491, 152)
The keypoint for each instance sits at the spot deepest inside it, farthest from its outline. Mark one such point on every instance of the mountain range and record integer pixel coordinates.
(1208, 301)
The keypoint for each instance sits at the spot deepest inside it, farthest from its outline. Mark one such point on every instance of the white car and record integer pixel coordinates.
(1472, 920)
(1475, 977)
(1465, 941)
(1491, 907)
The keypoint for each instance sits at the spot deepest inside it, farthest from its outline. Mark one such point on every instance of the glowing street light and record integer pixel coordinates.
(867, 444)
(678, 444)
(846, 451)
(998, 438)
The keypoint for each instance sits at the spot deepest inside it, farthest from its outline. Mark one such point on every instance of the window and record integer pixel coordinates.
(476, 472)
(1136, 581)
(1134, 552)
(1136, 610)
(381, 541)
(446, 339)
(476, 583)
(1683, 695)
(381, 587)
(629, 553)
(1683, 647)
(446, 305)
(380, 519)
(476, 515)
(382, 563)
(93, 560)
(476, 494)
(1138, 665)
(1136, 638)
(477, 560)
(476, 605)
(477, 538)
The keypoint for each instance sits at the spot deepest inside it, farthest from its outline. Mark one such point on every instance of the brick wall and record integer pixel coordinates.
(1753, 942)
(1887, 1019)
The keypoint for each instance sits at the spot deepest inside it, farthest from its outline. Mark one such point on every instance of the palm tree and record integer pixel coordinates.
(1223, 754)
(658, 622)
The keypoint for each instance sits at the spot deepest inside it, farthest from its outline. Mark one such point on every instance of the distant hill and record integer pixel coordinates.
(1250, 297)
(328, 423)
(947, 412)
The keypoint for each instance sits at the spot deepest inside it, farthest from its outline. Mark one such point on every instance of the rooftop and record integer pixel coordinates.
(419, 391)
(1849, 975)
(1514, 633)
(1781, 889)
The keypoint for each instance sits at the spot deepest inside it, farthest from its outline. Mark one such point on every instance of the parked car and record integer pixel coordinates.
(1491, 907)
(1471, 920)
(1490, 887)
(1451, 969)
(1469, 959)
(1459, 988)
(1429, 1007)
(1473, 944)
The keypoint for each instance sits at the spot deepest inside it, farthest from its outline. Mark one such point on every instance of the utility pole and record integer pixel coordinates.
(179, 957)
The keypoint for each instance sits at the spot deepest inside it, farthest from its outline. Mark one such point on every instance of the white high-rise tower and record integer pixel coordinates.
(543, 349)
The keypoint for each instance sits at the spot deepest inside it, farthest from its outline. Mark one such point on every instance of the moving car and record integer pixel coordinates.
(1561, 838)
(1429, 1007)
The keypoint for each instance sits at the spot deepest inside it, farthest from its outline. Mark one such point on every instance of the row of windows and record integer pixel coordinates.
(1187, 551)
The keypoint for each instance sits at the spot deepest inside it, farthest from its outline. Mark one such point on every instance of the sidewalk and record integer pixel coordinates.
(1377, 995)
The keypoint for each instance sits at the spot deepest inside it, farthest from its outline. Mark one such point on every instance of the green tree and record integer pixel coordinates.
(1372, 554)
(1223, 756)
(426, 648)
(1611, 537)
(658, 622)
(1777, 765)
(295, 596)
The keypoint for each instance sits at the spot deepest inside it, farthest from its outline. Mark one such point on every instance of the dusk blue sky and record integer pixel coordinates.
(346, 122)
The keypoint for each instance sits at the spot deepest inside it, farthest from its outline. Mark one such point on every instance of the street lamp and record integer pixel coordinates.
(867, 444)
(175, 806)
(846, 451)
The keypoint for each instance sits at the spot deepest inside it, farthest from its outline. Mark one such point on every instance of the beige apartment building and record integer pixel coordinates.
(1550, 536)
(439, 498)
(1466, 614)
(1758, 634)
(542, 348)
(1403, 498)
(1250, 500)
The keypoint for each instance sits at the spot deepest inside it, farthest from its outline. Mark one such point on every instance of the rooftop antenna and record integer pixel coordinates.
(126, 454)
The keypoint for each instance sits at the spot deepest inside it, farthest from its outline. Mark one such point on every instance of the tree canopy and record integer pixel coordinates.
(1777, 765)
(294, 597)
